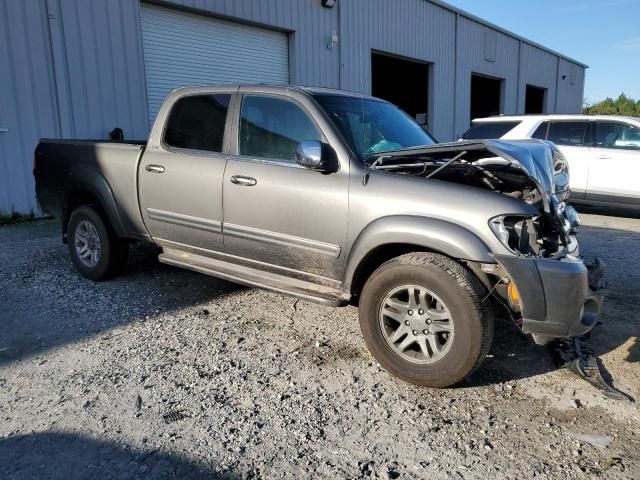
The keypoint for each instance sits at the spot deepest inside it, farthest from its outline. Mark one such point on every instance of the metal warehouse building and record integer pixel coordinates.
(80, 68)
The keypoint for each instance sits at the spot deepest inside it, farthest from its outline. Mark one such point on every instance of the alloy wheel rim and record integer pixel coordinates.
(416, 324)
(87, 243)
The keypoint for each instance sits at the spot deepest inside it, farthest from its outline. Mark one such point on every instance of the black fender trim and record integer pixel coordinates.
(85, 179)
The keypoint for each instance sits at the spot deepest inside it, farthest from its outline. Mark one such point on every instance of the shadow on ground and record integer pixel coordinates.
(608, 211)
(47, 304)
(64, 456)
(46, 282)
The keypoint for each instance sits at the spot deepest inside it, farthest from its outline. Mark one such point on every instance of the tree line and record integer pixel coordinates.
(622, 105)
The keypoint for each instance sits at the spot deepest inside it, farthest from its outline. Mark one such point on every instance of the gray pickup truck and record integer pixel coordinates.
(338, 198)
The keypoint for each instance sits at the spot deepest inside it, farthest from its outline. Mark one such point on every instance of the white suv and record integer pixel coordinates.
(603, 151)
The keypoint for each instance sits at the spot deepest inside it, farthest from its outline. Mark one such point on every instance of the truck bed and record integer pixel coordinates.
(63, 168)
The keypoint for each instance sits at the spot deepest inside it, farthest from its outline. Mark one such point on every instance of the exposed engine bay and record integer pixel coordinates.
(537, 176)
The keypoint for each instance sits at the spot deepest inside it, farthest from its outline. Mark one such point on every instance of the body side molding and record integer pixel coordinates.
(264, 236)
(197, 223)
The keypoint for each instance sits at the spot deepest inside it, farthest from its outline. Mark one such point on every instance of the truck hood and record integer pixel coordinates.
(538, 160)
(541, 161)
(528, 172)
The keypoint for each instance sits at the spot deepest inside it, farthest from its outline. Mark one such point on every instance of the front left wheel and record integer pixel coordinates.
(95, 248)
(425, 319)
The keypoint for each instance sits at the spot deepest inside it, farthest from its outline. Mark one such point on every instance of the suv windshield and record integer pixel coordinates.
(373, 126)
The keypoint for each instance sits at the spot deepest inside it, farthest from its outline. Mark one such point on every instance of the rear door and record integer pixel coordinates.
(571, 137)
(614, 176)
(276, 212)
(181, 174)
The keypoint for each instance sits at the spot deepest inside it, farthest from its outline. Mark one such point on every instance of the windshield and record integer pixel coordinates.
(373, 126)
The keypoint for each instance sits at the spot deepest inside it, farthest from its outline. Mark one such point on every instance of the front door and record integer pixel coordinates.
(276, 212)
(614, 174)
(181, 177)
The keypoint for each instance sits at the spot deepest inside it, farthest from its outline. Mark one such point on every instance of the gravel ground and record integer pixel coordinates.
(165, 373)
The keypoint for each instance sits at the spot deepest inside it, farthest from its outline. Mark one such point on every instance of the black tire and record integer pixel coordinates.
(112, 257)
(463, 295)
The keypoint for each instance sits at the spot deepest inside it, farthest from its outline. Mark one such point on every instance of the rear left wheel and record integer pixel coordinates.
(95, 248)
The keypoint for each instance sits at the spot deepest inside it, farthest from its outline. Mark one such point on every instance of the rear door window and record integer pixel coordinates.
(197, 122)
(489, 130)
(571, 134)
(617, 135)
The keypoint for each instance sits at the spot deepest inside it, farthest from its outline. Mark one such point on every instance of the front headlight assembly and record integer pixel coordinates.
(569, 218)
(517, 233)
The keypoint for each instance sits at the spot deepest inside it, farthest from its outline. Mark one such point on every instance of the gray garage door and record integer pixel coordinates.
(183, 49)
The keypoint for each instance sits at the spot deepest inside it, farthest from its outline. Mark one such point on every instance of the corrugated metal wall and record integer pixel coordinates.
(482, 50)
(570, 87)
(410, 28)
(312, 25)
(81, 73)
(97, 47)
(182, 48)
(537, 68)
(27, 101)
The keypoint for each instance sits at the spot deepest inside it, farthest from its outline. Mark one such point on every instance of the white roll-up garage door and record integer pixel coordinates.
(184, 49)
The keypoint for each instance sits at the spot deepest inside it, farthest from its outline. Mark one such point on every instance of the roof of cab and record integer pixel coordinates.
(554, 116)
(306, 89)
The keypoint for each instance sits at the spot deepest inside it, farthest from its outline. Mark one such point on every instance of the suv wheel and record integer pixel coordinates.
(96, 250)
(423, 318)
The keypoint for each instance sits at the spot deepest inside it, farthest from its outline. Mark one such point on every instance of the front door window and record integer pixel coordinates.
(272, 128)
(617, 136)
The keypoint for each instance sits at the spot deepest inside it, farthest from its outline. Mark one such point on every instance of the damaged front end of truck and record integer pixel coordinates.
(542, 280)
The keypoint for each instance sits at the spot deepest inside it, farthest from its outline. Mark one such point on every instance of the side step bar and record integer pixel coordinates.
(255, 278)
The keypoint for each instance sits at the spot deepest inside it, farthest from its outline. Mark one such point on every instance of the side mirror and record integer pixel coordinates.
(315, 155)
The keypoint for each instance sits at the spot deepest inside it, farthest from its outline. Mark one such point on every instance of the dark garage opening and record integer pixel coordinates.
(401, 82)
(486, 93)
(534, 99)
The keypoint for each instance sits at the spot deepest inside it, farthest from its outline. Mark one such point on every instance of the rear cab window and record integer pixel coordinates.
(197, 122)
(489, 130)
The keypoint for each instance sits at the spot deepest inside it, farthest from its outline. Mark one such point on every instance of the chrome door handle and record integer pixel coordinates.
(244, 181)
(154, 168)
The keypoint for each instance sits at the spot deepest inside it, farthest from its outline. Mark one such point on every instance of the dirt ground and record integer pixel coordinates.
(165, 373)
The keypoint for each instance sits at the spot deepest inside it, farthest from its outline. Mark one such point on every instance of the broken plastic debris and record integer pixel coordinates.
(596, 439)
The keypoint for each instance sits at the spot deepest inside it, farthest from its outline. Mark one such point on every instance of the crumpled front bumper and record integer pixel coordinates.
(558, 298)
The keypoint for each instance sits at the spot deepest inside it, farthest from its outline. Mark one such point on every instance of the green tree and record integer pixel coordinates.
(623, 105)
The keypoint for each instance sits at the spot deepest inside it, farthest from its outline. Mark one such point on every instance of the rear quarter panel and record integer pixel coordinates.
(105, 169)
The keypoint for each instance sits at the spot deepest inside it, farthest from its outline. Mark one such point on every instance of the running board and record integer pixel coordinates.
(255, 278)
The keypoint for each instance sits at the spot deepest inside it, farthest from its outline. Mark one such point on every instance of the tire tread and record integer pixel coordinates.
(473, 290)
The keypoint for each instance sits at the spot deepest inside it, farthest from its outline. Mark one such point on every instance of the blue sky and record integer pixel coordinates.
(604, 34)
